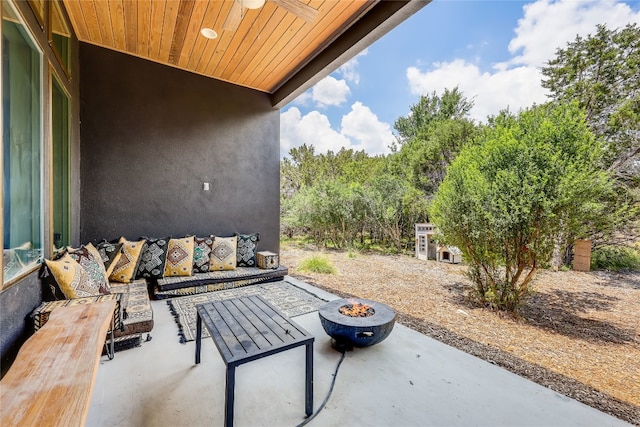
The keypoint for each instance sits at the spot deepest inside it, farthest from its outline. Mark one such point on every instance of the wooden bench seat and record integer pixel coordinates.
(51, 381)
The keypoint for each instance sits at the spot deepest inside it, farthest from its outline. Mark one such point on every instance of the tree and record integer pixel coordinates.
(300, 170)
(299, 187)
(451, 105)
(423, 160)
(305, 168)
(387, 203)
(430, 137)
(505, 199)
(602, 73)
(331, 211)
(339, 198)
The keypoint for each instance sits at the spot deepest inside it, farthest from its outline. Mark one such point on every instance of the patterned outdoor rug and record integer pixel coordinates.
(290, 299)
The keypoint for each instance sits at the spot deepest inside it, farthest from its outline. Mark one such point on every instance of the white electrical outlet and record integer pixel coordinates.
(205, 186)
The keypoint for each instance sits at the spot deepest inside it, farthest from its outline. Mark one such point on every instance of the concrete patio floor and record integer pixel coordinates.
(407, 380)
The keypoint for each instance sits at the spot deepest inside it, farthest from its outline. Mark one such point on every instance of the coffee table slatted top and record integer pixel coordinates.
(250, 328)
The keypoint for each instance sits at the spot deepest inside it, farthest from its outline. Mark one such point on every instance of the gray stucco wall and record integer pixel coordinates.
(16, 304)
(151, 135)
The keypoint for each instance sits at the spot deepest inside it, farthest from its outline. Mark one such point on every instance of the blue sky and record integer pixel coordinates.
(491, 50)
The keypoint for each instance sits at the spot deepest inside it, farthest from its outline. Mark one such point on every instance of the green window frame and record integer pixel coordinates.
(61, 165)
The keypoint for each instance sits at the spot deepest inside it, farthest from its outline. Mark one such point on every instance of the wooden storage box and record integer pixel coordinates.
(582, 255)
(266, 259)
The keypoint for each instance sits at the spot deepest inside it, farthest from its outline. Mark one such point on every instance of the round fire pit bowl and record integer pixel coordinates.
(366, 322)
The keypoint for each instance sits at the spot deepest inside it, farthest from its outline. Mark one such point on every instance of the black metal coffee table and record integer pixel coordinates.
(249, 328)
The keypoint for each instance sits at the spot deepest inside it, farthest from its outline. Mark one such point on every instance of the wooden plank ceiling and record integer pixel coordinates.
(268, 46)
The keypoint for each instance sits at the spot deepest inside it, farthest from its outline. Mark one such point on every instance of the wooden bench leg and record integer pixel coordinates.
(109, 345)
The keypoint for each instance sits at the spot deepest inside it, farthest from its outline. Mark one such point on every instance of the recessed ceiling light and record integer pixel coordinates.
(252, 4)
(209, 33)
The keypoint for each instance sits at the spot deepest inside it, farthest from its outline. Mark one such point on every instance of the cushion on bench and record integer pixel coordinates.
(170, 287)
(133, 313)
(137, 312)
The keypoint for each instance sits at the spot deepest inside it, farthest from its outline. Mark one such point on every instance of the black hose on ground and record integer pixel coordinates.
(326, 399)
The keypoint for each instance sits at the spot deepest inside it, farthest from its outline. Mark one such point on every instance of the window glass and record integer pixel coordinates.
(38, 9)
(60, 35)
(21, 145)
(61, 167)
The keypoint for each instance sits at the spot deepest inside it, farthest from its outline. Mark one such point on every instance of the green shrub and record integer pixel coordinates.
(615, 258)
(317, 264)
(351, 255)
(507, 198)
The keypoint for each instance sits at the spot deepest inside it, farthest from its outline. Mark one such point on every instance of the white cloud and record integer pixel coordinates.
(371, 135)
(515, 88)
(330, 91)
(515, 83)
(349, 70)
(360, 130)
(303, 99)
(311, 129)
(548, 25)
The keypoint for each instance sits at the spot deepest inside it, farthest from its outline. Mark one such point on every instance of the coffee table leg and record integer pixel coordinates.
(228, 400)
(198, 337)
(309, 380)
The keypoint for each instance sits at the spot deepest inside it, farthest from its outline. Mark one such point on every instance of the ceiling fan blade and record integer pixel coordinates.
(298, 8)
(234, 17)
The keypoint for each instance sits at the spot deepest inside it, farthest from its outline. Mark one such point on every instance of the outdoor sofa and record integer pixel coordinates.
(132, 272)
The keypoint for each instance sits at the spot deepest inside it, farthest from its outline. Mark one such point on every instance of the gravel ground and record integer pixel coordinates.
(579, 334)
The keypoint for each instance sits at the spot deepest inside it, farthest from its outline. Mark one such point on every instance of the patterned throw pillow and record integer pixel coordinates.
(96, 255)
(223, 253)
(96, 274)
(110, 254)
(152, 259)
(247, 248)
(179, 257)
(202, 254)
(127, 265)
(70, 277)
